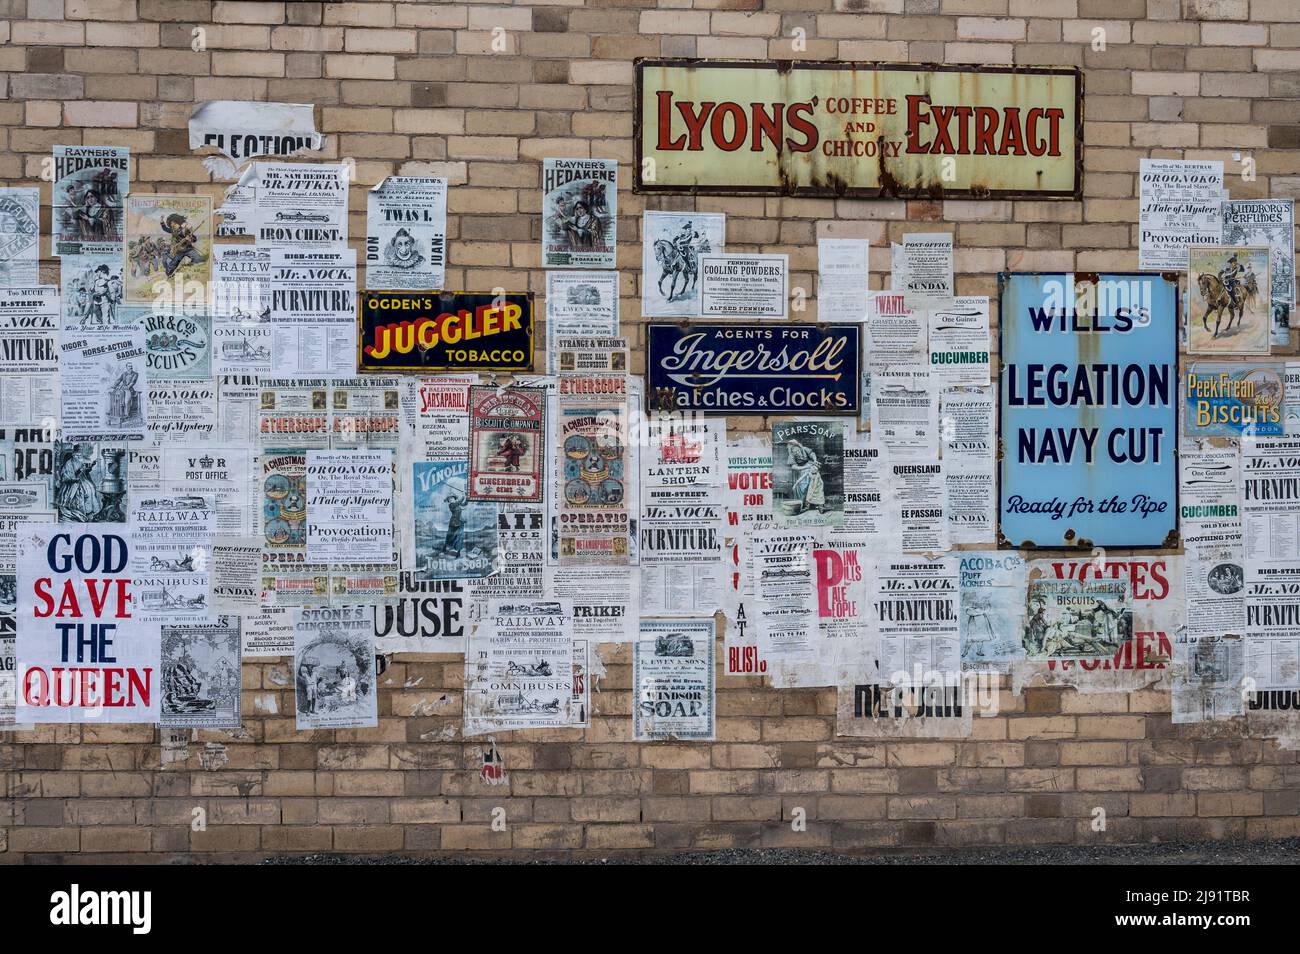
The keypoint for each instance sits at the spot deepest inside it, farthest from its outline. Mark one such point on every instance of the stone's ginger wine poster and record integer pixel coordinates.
(709, 127)
(1089, 416)
(83, 655)
(579, 213)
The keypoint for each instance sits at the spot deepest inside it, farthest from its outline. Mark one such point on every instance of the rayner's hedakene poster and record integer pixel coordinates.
(579, 213)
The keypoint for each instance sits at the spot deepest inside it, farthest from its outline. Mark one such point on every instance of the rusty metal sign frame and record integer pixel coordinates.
(885, 190)
(1173, 540)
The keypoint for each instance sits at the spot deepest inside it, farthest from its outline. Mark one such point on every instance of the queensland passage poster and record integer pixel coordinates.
(1089, 410)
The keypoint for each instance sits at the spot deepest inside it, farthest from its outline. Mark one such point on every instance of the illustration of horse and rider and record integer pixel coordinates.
(679, 257)
(1234, 290)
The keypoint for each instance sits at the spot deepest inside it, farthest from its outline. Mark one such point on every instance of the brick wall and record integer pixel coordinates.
(415, 88)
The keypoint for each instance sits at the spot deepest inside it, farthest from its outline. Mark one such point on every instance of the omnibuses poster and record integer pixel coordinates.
(715, 127)
(1089, 410)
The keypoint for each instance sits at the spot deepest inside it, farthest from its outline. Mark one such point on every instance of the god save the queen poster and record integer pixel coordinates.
(1088, 420)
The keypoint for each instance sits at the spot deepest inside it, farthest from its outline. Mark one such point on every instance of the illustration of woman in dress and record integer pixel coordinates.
(454, 541)
(78, 497)
(809, 490)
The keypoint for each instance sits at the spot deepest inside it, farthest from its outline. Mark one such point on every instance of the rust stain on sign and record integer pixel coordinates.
(814, 128)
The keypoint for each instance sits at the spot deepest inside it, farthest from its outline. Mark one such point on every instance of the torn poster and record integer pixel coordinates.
(749, 509)
(580, 701)
(1270, 223)
(269, 633)
(959, 341)
(241, 310)
(845, 640)
(916, 606)
(1180, 204)
(507, 450)
(349, 506)
(603, 597)
(90, 183)
(579, 213)
(920, 505)
(521, 536)
(1207, 678)
(808, 473)
(90, 481)
(1273, 623)
(168, 248)
(20, 237)
(992, 585)
(519, 667)
(870, 710)
(580, 305)
(83, 654)
(673, 680)
(298, 205)
(671, 246)
(452, 537)
(868, 504)
(1214, 579)
(241, 131)
(428, 617)
(843, 272)
(787, 599)
(201, 674)
(406, 234)
(335, 684)
(922, 265)
(744, 286)
(1270, 498)
(29, 354)
(314, 312)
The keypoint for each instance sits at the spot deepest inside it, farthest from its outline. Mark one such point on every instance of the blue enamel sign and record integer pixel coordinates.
(1089, 410)
(755, 368)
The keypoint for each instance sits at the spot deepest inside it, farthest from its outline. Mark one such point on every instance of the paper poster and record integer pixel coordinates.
(917, 603)
(201, 674)
(1228, 299)
(429, 616)
(242, 131)
(235, 578)
(299, 206)
(90, 481)
(349, 506)
(744, 286)
(20, 237)
(93, 291)
(1270, 498)
(579, 213)
(335, 683)
(454, 538)
(1077, 618)
(1270, 223)
(519, 668)
(314, 312)
(507, 444)
(1273, 623)
(959, 341)
(671, 246)
(1180, 204)
(786, 593)
(673, 681)
(406, 234)
(580, 305)
(90, 184)
(922, 265)
(29, 354)
(748, 498)
(595, 487)
(241, 310)
(843, 271)
(895, 325)
(968, 417)
(83, 654)
(168, 247)
(102, 380)
(808, 473)
(992, 587)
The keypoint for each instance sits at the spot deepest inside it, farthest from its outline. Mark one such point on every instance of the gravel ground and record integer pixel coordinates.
(1280, 852)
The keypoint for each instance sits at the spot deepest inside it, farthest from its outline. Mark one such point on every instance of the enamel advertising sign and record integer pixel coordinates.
(728, 127)
(1089, 410)
(421, 332)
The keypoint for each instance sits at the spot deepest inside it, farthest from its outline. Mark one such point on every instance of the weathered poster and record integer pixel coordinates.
(27, 453)
(438, 418)
(335, 683)
(742, 368)
(521, 541)
(595, 489)
(992, 586)
(1089, 419)
(894, 326)
(868, 510)
(862, 130)
(968, 417)
(748, 498)
(580, 701)
(744, 286)
(579, 213)
(1273, 623)
(1077, 618)
(410, 332)
(871, 710)
(603, 596)
(284, 502)
(349, 506)
(406, 234)
(1207, 678)
(672, 244)
(178, 343)
(242, 131)
(519, 667)
(1180, 204)
(299, 205)
(1209, 488)
(1270, 223)
(83, 655)
(784, 583)
(168, 248)
(905, 407)
(428, 617)
(922, 266)
(579, 305)
(102, 380)
(673, 680)
(507, 448)
(171, 546)
(843, 271)
(90, 481)
(92, 289)
(808, 473)
(182, 411)
(920, 505)
(453, 537)
(29, 353)
(241, 310)
(1214, 579)
(590, 356)
(1270, 498)
(845, 639)
(1230, 400)
(917, 607)
(201, 674)
(959, 341)
(235, 577)
(20, 237)
(313, 312)
(90, 183)
(269, 633)
(22, 502)
(1228, 308)
(227, 473)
